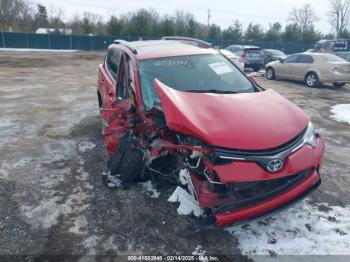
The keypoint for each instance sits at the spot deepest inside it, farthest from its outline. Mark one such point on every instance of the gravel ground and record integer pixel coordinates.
(52, 200)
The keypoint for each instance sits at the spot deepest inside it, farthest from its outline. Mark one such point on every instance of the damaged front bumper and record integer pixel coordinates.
(250, 208)
(253, 191)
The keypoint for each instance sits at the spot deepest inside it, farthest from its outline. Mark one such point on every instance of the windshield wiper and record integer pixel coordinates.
(212, 91)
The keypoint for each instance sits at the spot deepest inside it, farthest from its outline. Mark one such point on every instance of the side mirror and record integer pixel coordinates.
(281, 60)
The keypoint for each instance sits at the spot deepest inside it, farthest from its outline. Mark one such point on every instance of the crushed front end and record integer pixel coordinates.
(237, 185)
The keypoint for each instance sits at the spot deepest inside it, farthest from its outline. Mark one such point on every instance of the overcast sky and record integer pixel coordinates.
(222, 11)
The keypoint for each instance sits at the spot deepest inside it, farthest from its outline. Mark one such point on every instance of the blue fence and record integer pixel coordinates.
(90, 43)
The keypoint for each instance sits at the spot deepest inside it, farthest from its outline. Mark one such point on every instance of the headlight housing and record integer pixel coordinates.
(310, 136)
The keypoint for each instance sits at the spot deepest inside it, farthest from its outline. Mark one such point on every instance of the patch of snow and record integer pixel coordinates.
(187, 202)
(6, 123)
(80, 225)
(302, 230)
(149, 187)
(68, 98)
(85, 146)
(4, 174)
(109, 244)
(45, 213)
(198, 251)
(38, 50)
(90, 244)
(341, 113)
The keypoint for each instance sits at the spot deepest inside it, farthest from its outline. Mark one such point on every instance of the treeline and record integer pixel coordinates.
(24, 16)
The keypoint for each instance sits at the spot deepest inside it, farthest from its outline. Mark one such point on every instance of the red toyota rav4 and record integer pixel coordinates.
(177, 103)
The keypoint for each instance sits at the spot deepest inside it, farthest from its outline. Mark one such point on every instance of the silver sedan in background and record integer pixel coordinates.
(312, 68)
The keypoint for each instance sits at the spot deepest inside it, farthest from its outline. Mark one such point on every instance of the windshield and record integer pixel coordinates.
(195, 73)
(331, 58)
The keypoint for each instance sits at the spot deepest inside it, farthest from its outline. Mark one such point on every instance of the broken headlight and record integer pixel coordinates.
(310, 136)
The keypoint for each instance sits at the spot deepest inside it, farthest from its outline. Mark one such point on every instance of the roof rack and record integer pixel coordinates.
(198, 42)
(126, 44)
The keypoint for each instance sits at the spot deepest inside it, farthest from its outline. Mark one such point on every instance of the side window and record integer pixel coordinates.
(305, 59)
(291, 59)
(113, 60)
(131, 80)
(126, 85)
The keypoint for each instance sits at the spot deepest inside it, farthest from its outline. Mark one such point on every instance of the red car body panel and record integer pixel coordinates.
(247, 121)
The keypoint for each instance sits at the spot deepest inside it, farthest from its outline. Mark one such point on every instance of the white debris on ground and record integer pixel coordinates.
(113, 181)
(85, 146)
(187, 202)
(149, 187)
(302, 230)
(38, 50)
(198, 251)
(341, 113)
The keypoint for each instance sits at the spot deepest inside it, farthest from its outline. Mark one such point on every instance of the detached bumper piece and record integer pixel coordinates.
(242, 201)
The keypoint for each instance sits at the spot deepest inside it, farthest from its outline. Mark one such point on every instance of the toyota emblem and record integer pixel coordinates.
(275, 165)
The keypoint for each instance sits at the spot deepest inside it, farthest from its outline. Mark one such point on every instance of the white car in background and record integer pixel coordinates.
(234, 58)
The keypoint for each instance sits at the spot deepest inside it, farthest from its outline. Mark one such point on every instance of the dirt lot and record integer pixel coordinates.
(52, 200)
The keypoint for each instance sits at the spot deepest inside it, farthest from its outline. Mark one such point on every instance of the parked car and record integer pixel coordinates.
(234, 58)
(312, 68)
(344, 55)
(168, 105)
(252, 56)
(332, 45)
(273, 55)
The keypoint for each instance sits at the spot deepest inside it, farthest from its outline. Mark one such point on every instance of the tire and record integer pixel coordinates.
(312, 80)
(339, 84)
(270, 73)
(127, 163)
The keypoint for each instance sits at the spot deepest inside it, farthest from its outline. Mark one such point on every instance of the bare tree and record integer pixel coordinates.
(10, 10)
(303, 17)
(339, 16)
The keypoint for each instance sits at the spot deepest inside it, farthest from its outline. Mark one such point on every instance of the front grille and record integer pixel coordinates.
(220, 151)
(261, 157)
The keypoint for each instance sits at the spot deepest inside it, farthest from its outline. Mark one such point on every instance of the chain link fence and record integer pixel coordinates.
(94, 43)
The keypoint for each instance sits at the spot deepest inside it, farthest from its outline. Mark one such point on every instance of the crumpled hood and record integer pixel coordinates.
(247, 121)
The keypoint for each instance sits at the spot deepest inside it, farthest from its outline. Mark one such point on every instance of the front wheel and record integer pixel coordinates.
(270, 73)
(339, 84)
(312, 80)
(127, 163)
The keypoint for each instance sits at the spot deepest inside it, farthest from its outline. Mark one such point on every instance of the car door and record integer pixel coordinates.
(117, 112)
(285, 68)
(302, 66)
(109, 76)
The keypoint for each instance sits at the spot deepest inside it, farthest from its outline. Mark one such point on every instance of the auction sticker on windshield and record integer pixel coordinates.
(220, 68)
